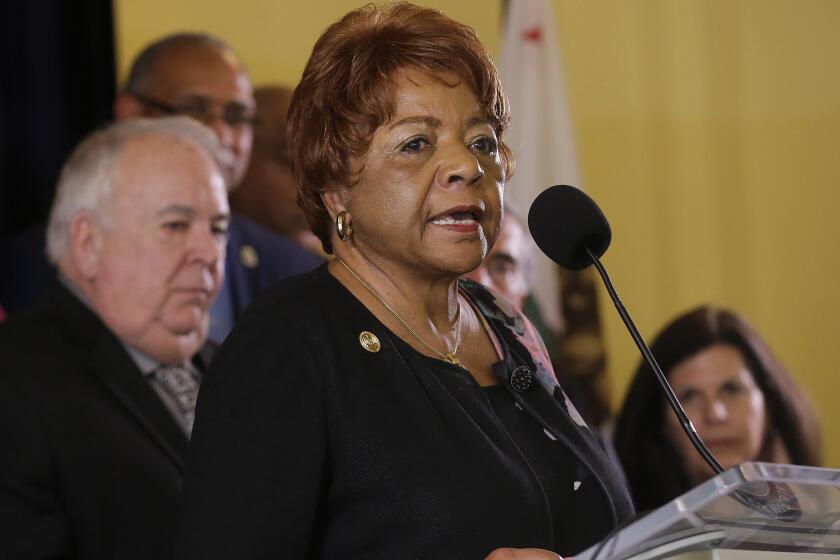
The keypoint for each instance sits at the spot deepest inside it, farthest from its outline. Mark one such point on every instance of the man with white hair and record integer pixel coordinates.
(98, 384)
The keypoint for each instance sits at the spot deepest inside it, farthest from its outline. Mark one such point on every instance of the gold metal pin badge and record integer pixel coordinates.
(248, 256)
(369, 341)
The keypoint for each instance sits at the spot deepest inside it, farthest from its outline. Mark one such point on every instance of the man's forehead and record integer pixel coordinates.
(149, 160)
(154, 145)
(512, 236)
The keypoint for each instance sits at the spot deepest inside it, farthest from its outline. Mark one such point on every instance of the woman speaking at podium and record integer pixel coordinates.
(380, 407)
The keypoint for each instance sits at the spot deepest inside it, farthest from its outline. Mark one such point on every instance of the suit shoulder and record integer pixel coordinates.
(268, 249)
(49, 333)
(27, 273)
(19, 332)
(246, 232)
(33, 348)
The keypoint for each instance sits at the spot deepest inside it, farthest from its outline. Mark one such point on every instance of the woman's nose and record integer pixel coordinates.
(460, 167)
(716, 412)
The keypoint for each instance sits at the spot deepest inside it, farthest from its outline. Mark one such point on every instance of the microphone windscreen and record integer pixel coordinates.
(563, 221)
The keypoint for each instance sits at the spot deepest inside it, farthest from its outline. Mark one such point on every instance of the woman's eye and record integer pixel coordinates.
(485, 145)
(731, 389)
(414, 145)
(687, 396)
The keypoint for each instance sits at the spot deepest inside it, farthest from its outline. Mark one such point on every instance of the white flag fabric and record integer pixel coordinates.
(541, 134)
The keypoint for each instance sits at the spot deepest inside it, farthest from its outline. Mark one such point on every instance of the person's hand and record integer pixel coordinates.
(524, 554)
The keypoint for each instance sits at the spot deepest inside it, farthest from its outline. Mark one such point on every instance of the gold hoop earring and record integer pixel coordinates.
(343, 226)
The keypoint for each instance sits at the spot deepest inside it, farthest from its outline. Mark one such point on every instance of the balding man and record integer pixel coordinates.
(200, 76)
(98, 383)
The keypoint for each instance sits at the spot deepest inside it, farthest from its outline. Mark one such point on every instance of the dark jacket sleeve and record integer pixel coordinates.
(258, 451)
(33, 523)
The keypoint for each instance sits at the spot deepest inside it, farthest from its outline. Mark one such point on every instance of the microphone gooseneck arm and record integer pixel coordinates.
(687, 426)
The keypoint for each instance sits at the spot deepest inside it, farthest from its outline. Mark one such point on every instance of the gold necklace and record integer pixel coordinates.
(445, 356)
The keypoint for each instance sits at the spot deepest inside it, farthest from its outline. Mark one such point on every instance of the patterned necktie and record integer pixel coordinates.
(182, 386)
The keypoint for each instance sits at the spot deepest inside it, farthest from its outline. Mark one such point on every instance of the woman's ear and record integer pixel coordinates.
(335, 201)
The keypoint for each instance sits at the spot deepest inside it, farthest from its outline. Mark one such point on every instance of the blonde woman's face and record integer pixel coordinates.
(725, 405)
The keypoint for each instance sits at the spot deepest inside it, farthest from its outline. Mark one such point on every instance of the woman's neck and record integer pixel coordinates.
(428, 302)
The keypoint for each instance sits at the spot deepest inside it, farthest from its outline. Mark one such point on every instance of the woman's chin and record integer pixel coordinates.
(463, 265)
(466, 258)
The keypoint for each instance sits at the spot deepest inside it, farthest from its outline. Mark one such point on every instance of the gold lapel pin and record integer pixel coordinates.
(248, 256)
(369, 342)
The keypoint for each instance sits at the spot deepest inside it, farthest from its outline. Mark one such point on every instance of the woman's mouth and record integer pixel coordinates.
(721, 442)
(462, 219)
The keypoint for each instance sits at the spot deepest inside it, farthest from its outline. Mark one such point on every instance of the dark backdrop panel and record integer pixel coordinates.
(58, 83)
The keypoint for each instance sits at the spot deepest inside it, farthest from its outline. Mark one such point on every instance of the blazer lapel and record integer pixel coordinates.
(110, 362)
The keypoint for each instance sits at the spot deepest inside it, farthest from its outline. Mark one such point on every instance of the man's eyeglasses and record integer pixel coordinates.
(234, 114)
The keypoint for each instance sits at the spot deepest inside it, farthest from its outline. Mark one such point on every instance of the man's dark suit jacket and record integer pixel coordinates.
(91, 461)
(26, 275)
(277, 258)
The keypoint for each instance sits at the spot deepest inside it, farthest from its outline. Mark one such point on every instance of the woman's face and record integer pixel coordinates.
(430, 187)
(725, 405)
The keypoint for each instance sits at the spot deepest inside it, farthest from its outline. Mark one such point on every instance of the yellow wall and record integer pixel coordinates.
(274, 37)
(708, 130)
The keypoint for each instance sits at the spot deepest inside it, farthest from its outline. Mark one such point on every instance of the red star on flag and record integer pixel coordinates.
(534, 34)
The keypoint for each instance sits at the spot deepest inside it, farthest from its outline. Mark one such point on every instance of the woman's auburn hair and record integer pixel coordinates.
(347, 92)
(653, 466)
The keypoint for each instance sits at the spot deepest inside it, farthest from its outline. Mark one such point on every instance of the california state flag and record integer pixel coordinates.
(541, 134)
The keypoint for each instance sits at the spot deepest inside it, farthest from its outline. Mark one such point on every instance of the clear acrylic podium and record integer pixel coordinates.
(752, 511)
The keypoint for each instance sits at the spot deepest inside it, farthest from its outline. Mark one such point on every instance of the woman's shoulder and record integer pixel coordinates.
(299, 294)
(278, 333)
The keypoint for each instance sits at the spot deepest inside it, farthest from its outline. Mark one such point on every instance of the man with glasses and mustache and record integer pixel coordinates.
(200, 76)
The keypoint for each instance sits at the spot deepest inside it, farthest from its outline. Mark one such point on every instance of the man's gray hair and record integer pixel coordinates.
(86, 179)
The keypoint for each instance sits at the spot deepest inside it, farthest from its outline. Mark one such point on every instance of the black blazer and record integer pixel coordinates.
(308, 446)
(92, 462)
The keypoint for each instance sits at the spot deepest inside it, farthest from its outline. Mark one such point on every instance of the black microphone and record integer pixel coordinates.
(571, 230)
(565, 222)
